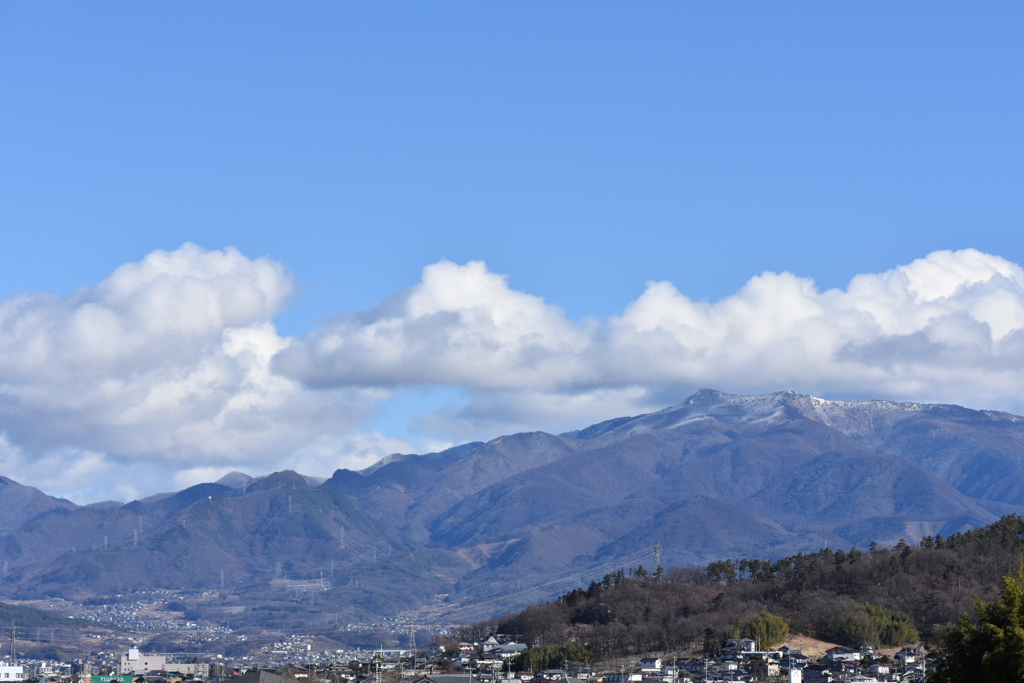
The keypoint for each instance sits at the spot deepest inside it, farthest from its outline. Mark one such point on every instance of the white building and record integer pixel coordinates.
(136, 662)
(11, 673)
(650, 664)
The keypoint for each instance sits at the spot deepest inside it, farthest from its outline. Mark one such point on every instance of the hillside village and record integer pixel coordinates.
(496, 659)
(492, 660)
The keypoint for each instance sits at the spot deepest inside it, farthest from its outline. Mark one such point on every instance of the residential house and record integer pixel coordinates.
(740, 645)
(490, 661)
(763, 668)
(509, 649)
(842, 654)
(879, 669)
(623, 678)
(817, 673)
(650, 665)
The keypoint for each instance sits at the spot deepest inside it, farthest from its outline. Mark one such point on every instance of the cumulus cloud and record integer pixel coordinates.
(171, 371)
(946, 327)
(163, 366)
(461, 326)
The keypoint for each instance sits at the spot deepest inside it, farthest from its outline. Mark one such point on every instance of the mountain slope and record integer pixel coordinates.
(19, 504)
(716, 475)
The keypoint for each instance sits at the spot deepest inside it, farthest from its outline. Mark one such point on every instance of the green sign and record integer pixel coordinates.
(126, 678)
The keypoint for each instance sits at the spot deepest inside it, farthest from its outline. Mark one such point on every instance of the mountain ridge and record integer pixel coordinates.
(772, 474)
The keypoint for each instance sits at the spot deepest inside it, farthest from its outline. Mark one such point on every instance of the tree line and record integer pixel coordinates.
(877, 596)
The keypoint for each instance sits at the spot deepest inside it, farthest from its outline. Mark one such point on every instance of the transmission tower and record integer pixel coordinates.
(657, 554)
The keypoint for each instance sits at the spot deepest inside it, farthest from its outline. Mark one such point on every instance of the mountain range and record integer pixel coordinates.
(526, 515)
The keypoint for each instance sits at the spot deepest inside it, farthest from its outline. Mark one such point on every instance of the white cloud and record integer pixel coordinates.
(461, 326)
(171, 371)
(946, 327)
(163, 366)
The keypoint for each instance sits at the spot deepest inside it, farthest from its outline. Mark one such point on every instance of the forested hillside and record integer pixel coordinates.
(879, 596)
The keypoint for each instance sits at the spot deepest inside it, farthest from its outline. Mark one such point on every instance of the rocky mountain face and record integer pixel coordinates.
(716, 476)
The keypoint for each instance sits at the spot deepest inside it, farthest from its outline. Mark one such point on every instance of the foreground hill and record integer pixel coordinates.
(881, 597)
(521, 517)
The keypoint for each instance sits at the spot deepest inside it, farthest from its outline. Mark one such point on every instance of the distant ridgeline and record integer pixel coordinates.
(480, 529)
(880, 596)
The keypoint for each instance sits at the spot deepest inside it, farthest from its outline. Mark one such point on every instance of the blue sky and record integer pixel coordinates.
(581, 149)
